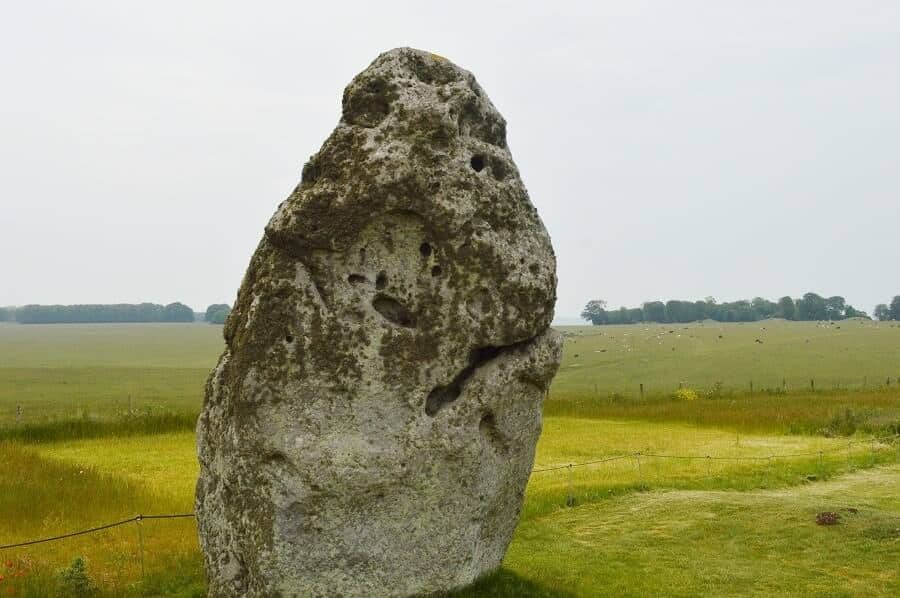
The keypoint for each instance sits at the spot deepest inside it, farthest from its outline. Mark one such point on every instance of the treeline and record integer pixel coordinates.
(97, 314)
(810, 307)
(885, 312)
(116, 313)
(217, 313)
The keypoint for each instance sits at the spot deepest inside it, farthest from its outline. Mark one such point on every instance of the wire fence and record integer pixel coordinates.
(637, 455)
(136, 519)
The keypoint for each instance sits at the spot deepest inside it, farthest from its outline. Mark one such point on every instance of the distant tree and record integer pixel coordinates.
(763, 307)
(177, 312)
(655, 311)
(895, 308)
(786, 308)
(834, 308)
(595, 312)
(882, 312)
(701, 309)
(811, 307)
(852, 312)
(619, 316)
(683, 311)
(217, 313)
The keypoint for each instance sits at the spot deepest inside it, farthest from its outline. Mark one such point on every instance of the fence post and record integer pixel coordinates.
(570, 497)
(140, 530)
(18, 414)
(751, 388)
(812, 384)
(708, 468)
(642, 390)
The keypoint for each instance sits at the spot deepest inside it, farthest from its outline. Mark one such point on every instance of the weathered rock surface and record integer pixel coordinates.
(371, 426)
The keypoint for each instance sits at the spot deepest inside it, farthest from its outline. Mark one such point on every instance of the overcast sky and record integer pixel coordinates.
(674, 149)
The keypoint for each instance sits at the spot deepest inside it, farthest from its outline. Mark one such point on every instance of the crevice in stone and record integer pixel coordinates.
(393, 311)
(488, 428)
(445, 394)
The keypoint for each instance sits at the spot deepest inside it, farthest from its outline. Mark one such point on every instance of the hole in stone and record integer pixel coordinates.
(436, 271)
(393, 311)
(488, 425)
(534, 269)
(381, 280)
(356, 279)
(477, 163)
(425, 249)
(288, 338)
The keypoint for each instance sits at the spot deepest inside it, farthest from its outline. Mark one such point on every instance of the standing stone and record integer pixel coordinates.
(371, 425)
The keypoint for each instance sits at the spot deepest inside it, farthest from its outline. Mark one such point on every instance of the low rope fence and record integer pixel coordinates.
(894, 438)
(136, 519)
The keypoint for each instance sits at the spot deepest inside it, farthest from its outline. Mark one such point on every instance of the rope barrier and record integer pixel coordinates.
(568, 466)
(99, 528)
(605, 460)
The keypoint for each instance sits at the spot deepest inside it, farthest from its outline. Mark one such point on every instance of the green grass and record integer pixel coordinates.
(830, 413)
(848, 354)
(646, 523)
(84, 426)
(66, 371)
(713, 542)
(67, 485)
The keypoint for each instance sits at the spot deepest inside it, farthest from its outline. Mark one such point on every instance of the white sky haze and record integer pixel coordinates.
(673, 149)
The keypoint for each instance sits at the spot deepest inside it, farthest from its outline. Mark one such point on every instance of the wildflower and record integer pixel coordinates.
(1, 578)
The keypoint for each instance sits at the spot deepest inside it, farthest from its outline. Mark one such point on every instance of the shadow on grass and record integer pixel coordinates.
(505, 583)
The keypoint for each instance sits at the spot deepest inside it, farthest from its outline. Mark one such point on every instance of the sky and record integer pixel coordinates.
(674, 149)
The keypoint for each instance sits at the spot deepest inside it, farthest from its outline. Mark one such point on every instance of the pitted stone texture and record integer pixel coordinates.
(371, 426)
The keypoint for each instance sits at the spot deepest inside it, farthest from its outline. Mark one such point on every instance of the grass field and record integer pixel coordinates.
(617, 359)
(671, 497)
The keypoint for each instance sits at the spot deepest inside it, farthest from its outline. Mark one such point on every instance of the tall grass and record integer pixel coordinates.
(89, 427)
(829, 413)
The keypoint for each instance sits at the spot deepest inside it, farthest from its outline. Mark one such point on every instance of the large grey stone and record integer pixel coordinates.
(371, 426)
